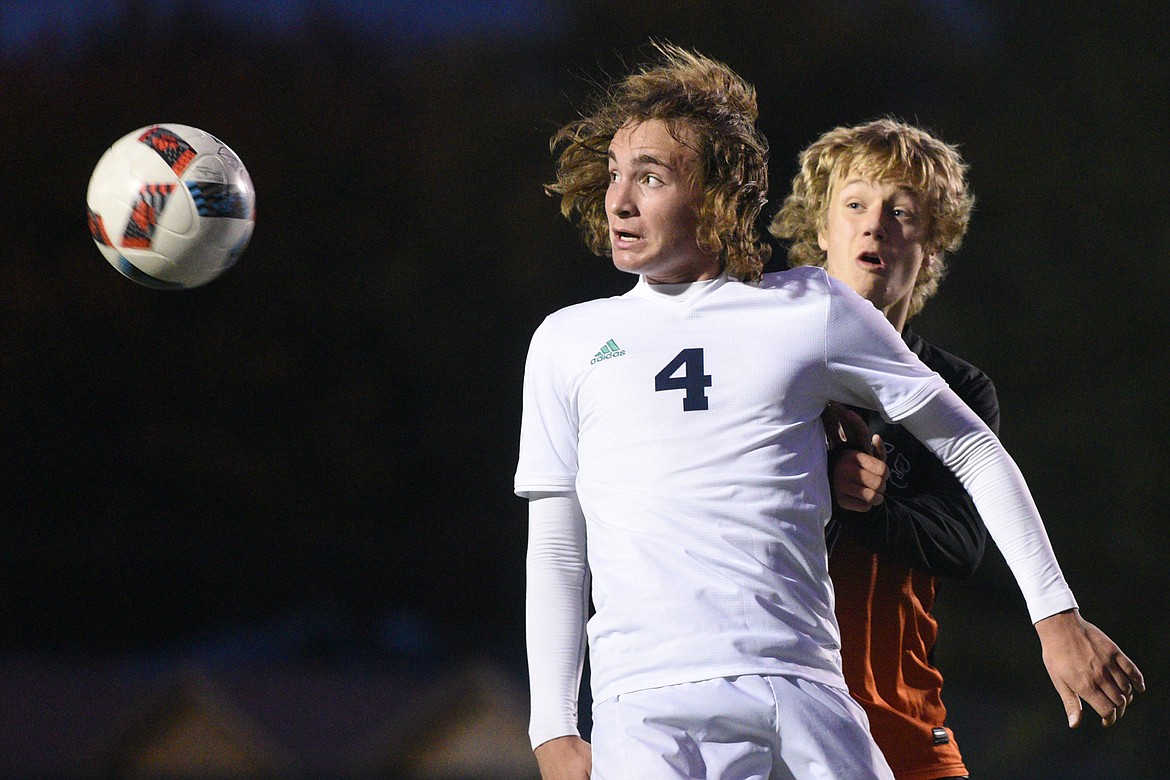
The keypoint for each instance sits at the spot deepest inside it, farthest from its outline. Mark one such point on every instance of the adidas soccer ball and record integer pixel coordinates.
(171, 206)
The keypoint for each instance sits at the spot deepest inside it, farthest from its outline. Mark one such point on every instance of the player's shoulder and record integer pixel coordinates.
(813, 285)
(584, 310)
(804, 280)
(969, 381)
(800, 276)
(947, 364)
(576, 319)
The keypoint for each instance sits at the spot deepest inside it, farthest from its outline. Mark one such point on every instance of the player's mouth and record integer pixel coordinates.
(624, 238)
(871, 260)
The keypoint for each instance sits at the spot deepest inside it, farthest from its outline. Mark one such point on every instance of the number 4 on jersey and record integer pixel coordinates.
(693, 380)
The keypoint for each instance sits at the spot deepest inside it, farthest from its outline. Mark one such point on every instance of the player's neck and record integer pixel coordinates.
(678, 291)
(897, 313)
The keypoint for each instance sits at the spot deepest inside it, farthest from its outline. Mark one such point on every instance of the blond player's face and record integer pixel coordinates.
(874, 240)
(651, 205)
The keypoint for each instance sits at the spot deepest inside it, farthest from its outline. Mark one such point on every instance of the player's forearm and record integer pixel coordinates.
(556, 607)
(964, 443)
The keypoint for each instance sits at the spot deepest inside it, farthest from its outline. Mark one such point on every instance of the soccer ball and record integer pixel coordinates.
(171, 206)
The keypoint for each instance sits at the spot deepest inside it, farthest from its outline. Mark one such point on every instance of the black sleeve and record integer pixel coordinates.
(938, 532)
(928, 523)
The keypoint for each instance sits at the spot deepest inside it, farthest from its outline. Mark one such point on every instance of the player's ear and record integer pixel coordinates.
(928, 259)
(822, 240)
(930, 253)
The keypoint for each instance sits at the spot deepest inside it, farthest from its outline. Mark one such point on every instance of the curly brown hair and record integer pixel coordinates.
(886, 150)
(705, 106)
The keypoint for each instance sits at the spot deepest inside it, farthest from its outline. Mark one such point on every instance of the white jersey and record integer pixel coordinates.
(690, 430)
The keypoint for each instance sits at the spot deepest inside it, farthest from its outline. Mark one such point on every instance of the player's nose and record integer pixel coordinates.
(620, 200)
(876, 227)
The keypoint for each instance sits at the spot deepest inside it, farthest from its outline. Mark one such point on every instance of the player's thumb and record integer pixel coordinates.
(1072, 705)
(879, 447)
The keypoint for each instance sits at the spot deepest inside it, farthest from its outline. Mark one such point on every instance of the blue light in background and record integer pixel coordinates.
(970, 18)
(973, 22)
(24, 23)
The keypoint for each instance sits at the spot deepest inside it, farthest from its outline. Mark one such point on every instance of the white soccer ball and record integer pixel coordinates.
(171, 206)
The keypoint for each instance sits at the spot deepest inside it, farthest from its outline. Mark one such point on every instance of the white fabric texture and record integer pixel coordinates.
(560, 588)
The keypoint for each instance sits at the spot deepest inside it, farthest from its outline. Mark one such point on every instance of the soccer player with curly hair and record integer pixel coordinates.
(675, 464)
(879, 206)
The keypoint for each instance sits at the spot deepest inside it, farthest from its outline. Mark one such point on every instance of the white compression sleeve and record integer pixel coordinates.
(964, 443)
(557, 603)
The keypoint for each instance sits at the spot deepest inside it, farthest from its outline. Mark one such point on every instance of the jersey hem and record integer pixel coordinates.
(538, 737)
(1052, 604)
(934, 773)
(543, 485)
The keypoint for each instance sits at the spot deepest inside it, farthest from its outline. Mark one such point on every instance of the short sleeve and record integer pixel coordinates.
(868, 363)
(548, 428)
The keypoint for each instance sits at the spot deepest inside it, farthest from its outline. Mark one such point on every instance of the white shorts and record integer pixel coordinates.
(740, 728)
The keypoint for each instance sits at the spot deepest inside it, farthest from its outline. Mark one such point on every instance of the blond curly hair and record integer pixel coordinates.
(705, 106)
(886, 150)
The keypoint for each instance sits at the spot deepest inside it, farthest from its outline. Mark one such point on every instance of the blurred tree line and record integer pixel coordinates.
(335, 420)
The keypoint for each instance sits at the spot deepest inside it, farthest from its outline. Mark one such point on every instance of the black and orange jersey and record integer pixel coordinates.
(886, 566)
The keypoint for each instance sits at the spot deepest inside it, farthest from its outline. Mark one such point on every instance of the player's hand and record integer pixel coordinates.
(845, 428)
(565, 758)
(859, 480)
(859, 474)
(1086, 664)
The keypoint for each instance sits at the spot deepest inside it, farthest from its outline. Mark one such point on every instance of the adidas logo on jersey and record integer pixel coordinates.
(608, 350)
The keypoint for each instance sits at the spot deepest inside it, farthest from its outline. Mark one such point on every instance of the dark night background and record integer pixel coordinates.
(330, 429)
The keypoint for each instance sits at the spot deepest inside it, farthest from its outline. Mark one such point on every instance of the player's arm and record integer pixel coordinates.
(937, 531)
(931, 524)
(556, 605)
(1082, 661)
